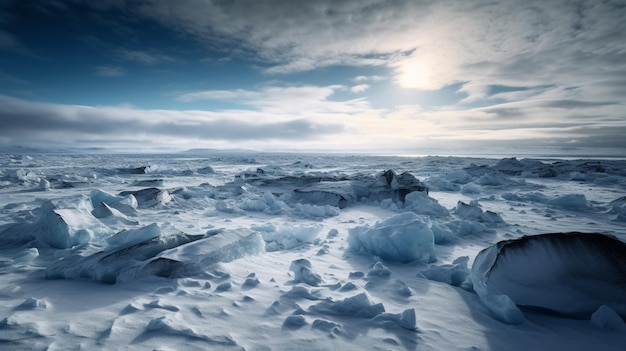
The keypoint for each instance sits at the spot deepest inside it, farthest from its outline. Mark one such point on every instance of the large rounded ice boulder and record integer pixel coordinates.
(571, 274)
(403, 237)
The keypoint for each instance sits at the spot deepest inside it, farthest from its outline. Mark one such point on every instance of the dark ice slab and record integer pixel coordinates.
(385, 185)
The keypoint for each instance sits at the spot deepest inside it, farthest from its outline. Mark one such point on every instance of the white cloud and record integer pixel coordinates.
(507, 42)
(359, 79)
(284, 101)
(359, 88)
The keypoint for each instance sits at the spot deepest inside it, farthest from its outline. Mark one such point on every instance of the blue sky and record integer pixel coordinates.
(367, 75)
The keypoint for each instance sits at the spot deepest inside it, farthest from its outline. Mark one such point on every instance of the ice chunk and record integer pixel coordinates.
(350, 285)
(44, 184)
(149, 197)
(495, 179)
(284, 237)
(524, 197)
(130, 237)
(471, 188)
(148, 182)
(206, 170)
(576, 202)
(89, 262)
(294, 322)
(225, 286)
(472, 212)
(26, 256)
(423, 204)
(618, 207)
(402, 184)
(606, 318)
(303, 273)
(459, 177)
(98, 196)
(251, 282)
(337, 193)
(442, 184)
(315, 211)
(469, 228)
(503, 308)
(111, 215)
(442, 234)
(136, 170)
(400, 288)
(455, 274)
(356, 275)
(108, 205)
(406, 319)
(332, 233)
(26, 176)
(266, 203)
(403, 237)
(358, 305)
(343, 192)
(569, 273)
(302, 292)
(62, 228)
(103, 210)
(510, 166)
(326, 326)
(225, 246)
(32, 303)
(379, 270)
(160, 267)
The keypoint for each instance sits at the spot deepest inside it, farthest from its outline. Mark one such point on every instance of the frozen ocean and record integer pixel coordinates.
(258, 251)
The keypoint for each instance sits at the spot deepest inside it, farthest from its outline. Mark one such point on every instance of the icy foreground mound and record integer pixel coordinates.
(572, 274)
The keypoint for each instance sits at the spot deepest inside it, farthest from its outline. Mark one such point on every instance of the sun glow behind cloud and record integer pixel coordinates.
(413, 73)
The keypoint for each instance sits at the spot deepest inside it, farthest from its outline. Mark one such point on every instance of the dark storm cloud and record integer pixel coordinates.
(510, 111)
(237, 130)
(22, 119)
(573, 104)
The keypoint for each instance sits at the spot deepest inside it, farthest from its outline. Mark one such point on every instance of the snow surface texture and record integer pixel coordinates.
(232, 251)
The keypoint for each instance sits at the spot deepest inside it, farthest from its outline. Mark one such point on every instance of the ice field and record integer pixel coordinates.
(233, 251)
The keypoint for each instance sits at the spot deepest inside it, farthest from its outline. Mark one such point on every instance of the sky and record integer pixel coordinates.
(372, 76)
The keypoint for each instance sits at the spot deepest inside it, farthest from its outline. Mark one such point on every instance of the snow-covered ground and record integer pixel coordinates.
(310, 252)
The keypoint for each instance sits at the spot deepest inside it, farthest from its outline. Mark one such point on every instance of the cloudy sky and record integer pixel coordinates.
(353, 75)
